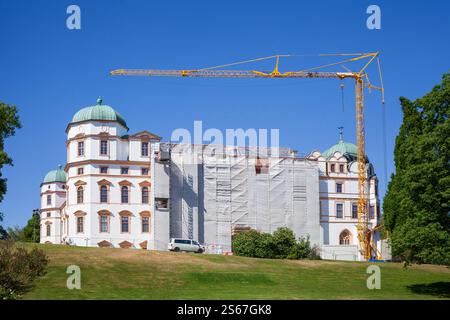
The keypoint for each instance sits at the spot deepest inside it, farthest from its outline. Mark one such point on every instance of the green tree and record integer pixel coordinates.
(31, 232)
(9, 122)
(3, 232)
(417, 202)
(15, 234)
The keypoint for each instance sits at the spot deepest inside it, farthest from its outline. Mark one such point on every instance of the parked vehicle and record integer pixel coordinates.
(188, 245)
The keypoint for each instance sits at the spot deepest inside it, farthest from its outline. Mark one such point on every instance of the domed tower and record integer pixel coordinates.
(53, 199)
(108, 180)
(339, 199)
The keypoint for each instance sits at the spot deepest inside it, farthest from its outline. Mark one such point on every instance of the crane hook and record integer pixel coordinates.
(342, 96)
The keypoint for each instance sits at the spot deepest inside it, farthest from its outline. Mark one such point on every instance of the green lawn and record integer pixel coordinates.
(139, 274)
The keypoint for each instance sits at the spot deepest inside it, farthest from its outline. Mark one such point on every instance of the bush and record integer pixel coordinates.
(243, 243)
(281, 245)
(283, 242)
(18, 269)
(303, 250)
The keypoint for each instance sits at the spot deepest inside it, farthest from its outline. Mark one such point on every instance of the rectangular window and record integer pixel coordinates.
(103, 223)
(332, 167)
(104, 147)
(145, 224)
(80, 171)
(49, 230)
(341, 168)
(354, 211)
(124, 194)
(103, 170)
(49, 214)
(338, 187)
(378, 212)
(371, 212)
(144, 171)
(49, 199)
(145, 193)
(103, 194)
(80, 195)
(81, 148)
(339, 210)
(144, 149)
(162, 203)
(124, 224)
(124, 170)
(80, 224)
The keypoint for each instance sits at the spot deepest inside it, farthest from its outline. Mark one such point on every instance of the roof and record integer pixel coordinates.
(58, 175)
(349, 150)
(99, 112)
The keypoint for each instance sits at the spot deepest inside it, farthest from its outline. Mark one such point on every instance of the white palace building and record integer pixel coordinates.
(127, 190)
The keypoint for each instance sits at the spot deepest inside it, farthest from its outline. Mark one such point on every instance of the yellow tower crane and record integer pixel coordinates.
(365, 234)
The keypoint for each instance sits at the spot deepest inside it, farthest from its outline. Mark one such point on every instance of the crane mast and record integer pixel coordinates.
(367, 249)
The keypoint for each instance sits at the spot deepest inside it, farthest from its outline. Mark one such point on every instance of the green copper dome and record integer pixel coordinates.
(349, 150)
(58, 175)
(99, 112)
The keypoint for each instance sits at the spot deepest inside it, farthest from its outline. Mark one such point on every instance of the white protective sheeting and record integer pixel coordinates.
(226, 192)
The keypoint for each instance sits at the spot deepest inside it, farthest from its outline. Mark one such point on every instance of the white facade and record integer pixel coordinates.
(122, 190)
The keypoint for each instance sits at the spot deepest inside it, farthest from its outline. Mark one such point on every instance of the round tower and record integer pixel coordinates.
(53, 199)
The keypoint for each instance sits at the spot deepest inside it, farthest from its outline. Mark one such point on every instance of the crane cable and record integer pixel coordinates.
(383, 106)
(357, 56)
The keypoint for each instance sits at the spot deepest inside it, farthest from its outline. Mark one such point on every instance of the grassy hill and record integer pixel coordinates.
(139, 274)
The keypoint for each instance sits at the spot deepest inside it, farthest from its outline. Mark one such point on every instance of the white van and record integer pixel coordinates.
(177, 244)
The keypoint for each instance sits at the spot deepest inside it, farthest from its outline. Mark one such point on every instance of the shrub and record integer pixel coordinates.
(303, 250)
(281, 245)
(244, 243)
(18, 269)
(283, 242)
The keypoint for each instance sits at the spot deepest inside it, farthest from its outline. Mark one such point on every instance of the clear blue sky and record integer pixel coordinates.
(50, 72)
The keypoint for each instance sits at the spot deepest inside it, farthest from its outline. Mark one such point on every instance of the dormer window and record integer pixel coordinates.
(104, 147)
(332, 167)
(80, 148)
(341, 168)
(144, 149)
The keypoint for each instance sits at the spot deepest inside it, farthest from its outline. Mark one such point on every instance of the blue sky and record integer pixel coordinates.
(50, 72)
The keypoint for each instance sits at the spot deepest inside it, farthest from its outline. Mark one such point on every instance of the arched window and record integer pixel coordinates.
(345, 238)
(103, 194)
(124, 194)
(48, 230)
(80, 195)
(145, 195)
